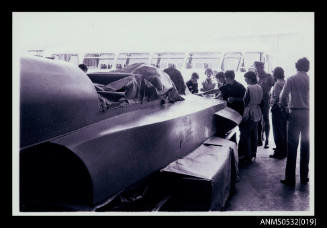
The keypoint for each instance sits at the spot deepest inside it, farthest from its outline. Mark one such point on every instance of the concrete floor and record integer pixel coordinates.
(259, 188)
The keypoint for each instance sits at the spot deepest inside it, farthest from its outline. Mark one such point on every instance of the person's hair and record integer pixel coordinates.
(195, 76)
(279, 73)
(220, 75)
(230, 74)
(83, 67)
(208, 70)
(251, 76)
(303, 64)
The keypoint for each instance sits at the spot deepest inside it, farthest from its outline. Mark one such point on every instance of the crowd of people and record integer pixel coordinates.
(288, 101)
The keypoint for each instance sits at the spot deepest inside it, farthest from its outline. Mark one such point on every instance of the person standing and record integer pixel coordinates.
(251, 117)
(192, 84)
(279, 117)
(266, 82)
(297, 87)
(233, 92)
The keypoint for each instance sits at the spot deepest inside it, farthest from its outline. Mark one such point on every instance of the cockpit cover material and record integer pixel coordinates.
(158, 78)
(145, 83)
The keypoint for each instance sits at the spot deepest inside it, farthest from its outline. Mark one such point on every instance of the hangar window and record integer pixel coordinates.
(106, 60)
(250, 58)
(202, 60)
(231, 61)
(39, 53)
(71, 58)
(122, 60)
(163, 59)
(139, 58)
(91, 60)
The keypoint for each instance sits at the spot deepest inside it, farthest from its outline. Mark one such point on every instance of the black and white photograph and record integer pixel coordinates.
(163, 113)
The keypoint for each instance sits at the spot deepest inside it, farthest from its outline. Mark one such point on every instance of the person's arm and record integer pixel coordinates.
(190, 86)
(272, 80)
(223, 92)
(274, 97)
(283, 98)
(246, 98)
(212, 91)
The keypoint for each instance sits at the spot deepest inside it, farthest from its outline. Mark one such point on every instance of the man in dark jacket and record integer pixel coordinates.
(176, 76)
(233, 92)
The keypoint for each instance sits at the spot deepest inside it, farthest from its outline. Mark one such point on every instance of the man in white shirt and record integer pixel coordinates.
(297, 87)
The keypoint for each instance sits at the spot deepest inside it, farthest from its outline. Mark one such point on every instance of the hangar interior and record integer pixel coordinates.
(121, 137)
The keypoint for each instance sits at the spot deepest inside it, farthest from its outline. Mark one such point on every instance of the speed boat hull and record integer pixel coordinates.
(104, 153)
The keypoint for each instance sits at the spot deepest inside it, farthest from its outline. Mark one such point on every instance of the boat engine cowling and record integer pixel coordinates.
(55, 98)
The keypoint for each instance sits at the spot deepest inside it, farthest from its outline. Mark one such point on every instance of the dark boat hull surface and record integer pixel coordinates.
(124, 149)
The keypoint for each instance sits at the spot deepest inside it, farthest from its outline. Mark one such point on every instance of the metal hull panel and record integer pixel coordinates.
(124, 149)
(55, 98)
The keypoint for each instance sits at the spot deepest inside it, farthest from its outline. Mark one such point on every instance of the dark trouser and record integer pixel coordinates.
(298, 123)
(264, 125)
(279, 125)
(248, 139)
